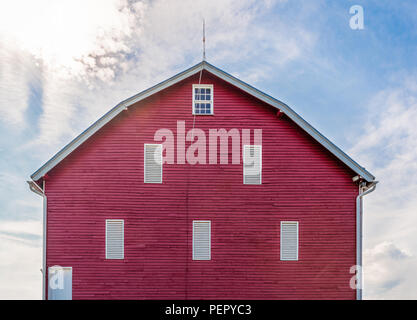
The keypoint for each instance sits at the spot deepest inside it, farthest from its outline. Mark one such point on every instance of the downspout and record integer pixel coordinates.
(33, 186)
(359, 234)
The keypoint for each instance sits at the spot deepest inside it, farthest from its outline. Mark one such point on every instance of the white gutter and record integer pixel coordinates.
(359, 232)
(33, 186)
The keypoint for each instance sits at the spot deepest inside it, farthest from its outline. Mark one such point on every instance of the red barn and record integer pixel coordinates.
(201, 187)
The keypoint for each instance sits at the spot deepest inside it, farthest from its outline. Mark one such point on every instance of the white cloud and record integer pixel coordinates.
(20, 238)
(123, 48)
(389, 272)
(26, 227)
(20, 264)
(61, 33)
(389, 147)
(14, 78)
(59, 103)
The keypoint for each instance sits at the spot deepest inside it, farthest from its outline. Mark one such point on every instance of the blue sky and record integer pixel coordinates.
(358, 87)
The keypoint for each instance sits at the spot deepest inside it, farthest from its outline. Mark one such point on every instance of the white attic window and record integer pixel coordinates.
(203, 99)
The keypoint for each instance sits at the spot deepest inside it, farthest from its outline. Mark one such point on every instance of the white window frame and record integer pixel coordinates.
(144, 161)
(260, 163)
(209, 241)
(123, 242)
(204, 86)
(298, 242)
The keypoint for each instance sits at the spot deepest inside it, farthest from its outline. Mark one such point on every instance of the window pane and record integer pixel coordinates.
(202, 100)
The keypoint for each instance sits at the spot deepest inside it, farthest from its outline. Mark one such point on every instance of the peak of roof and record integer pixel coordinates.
(203, 65)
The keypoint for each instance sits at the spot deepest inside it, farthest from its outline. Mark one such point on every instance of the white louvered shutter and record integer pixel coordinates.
(153, 163)
(114, 239)
(201, 240)
(252, 164)
(289, 240)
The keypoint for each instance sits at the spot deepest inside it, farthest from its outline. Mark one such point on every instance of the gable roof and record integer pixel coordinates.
(204, 65)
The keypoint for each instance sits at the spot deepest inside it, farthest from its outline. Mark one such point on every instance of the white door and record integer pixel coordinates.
(59, 283)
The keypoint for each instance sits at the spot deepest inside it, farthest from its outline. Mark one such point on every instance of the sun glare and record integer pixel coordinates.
(63, 33)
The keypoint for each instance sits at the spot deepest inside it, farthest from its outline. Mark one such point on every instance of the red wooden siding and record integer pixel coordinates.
(301, 181)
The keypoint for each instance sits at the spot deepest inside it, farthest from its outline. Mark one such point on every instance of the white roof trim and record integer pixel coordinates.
(181, 76)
